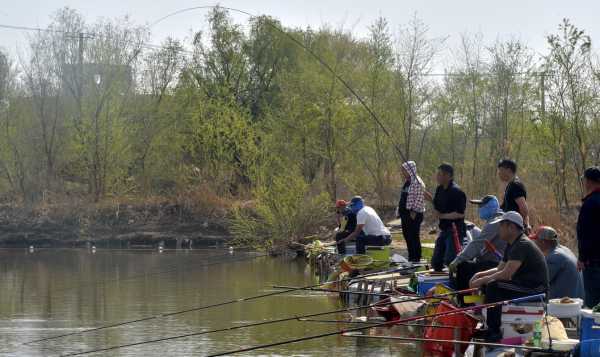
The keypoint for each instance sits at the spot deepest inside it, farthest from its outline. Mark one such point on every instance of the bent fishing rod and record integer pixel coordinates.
(206, 307)
(320, 60)
(387, 323)
(269, 322)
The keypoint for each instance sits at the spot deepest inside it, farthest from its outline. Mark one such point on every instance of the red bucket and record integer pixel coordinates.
(464, 321)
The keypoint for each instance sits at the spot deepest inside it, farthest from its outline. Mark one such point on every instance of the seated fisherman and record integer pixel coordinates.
(522, 272)
(564, 279)
(346, 221)
(484, 251)
(369, 230)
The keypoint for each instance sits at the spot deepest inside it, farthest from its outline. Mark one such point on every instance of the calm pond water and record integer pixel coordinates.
(53, 292)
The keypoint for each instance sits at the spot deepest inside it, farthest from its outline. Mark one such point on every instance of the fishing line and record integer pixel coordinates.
(144, 318)
(290, 318)
(204, 307)
(311, 53)
(170, 269)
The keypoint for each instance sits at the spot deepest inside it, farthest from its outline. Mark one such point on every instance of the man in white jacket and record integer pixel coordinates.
(369, 223)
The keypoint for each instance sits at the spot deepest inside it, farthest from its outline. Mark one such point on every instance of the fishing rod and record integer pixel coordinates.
(418, 339)
(321, 61)
(374, 322)
(206, 307)
(387, 323)
(335, 291)
(262, 323)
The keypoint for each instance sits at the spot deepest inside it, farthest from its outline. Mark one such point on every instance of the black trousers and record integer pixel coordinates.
(411, 230)
(466, 270)
(363, 241)
(499, 291)
(341, 246)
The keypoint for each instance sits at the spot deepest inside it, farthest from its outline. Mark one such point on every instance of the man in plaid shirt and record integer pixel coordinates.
(411, 208)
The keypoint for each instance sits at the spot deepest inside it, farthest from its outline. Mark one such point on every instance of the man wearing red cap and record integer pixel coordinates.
(346, 220)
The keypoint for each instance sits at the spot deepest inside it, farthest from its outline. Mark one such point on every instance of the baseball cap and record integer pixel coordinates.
(592, 174)
(355, 200)
(511, 216)
(484, 200)
(340, 204)
(544, 233)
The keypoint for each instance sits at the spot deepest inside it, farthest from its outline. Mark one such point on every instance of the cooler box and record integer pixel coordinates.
(425, 282)
(379, 253)
(519, 320)
(590, 325)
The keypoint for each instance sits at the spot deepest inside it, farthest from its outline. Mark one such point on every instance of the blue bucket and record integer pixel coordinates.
(589, 348)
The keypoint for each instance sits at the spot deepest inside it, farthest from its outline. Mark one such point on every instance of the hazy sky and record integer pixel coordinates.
(528, 20)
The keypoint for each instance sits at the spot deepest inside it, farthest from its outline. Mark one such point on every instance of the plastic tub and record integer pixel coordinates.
(565, 311)
(563, 345)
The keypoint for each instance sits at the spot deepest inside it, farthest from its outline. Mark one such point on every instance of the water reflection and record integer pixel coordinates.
(53, 292)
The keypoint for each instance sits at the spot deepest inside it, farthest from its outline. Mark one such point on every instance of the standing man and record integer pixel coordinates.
(369, 230)
(449, 204)
(522, 272)
(563, 278)
(411, 208)
(484, 252)
(588, 236)
(515, 194)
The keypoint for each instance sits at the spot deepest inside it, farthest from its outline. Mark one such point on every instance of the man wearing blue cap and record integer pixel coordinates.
(485, 251)
(369, 223)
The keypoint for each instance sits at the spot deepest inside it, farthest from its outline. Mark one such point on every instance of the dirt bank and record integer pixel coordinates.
(114, 225)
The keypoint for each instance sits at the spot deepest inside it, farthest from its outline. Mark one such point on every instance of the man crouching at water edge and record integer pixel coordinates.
(485, 251)
(522, 272)
(369, 223)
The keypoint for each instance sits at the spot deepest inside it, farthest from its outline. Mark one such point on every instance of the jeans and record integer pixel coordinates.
(411, 230)
(591, 284)
(444, 251)
(363, 241)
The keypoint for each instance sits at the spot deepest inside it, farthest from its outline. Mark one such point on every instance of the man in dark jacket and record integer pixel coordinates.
(449, 204)
(588, 236)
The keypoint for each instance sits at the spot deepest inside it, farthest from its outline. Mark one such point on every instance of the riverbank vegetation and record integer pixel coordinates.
(245, 125)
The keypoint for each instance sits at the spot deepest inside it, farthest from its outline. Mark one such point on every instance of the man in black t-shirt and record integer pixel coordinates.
(449, 203)
(515, 194)
(522, 272)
